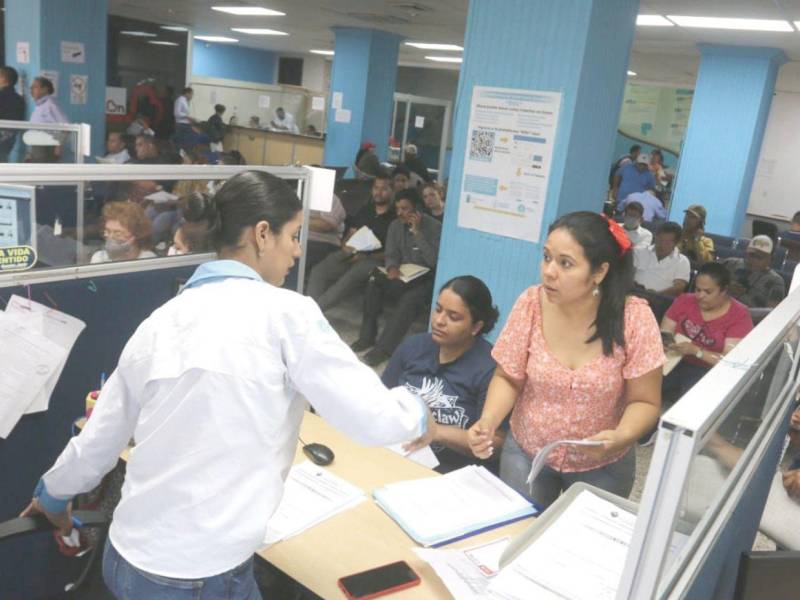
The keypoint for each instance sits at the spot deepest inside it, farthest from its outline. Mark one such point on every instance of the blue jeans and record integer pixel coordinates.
(515, 464)
(127, 582)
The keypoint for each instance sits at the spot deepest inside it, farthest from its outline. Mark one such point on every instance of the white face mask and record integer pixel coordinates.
(631, 223)
(173, 251)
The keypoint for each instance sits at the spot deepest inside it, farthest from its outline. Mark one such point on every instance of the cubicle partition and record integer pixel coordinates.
(112, 298)
(715, 458)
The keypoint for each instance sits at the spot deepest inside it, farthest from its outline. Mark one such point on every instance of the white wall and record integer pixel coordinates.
(316, 73)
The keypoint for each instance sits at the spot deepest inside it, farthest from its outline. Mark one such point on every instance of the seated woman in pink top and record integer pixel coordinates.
(713, 321)
(578, 359)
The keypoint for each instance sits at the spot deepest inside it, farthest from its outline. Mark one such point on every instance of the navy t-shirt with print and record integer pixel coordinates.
(455, 392)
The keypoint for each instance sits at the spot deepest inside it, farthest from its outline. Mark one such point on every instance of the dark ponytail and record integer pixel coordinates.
(474, 293)
(591, 231)
(244, 200)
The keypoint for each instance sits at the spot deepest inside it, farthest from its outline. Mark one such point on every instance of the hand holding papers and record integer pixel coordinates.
(311, 495)
(438, 510)
(408, 272)
(424, 456)
(364, 240)
(541, 457)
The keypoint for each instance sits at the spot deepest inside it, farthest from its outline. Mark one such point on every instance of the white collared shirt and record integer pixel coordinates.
(639, 237)
(118, 158)
(287, 123)
(181, 110)
(657, 275)
(47, 110)
(209, 388)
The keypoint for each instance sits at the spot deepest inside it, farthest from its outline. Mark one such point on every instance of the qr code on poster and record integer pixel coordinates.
(481, 146)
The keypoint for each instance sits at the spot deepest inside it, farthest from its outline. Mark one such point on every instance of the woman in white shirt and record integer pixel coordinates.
(210, 387)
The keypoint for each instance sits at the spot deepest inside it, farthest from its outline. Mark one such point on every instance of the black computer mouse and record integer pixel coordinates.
(319, 454)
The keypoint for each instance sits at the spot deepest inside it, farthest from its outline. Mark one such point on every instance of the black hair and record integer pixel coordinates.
(232, 157)
(718, 272)
(187, 90)
(220, 108)
(46, 84)
(474, 293)
(591, 231)
(636, 206)
(382, 175)
(412, 196)
(671, 227)
(10, 74)
(244, 200)
(796, 217)
(401, 170)
(634, 148)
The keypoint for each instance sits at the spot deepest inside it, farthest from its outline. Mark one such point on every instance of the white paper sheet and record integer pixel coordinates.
(589, 539)
(318, 103)
(337, 99)
(541, 457)
(364, 240)
(466, 573)
(423, 456)
(343, 115)
(311, 495)
(56, 326)
(161, 197)
(28, 360)
(321, 192)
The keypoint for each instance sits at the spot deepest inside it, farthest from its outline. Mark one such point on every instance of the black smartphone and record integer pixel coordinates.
(667, 338)
(379, 581)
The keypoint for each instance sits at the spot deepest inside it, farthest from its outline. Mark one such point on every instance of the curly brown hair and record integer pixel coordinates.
(131, 216)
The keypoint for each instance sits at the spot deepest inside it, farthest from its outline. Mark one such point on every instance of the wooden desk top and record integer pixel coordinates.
(362, 537)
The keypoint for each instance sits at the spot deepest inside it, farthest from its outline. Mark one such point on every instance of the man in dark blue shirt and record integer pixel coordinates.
(12, 108)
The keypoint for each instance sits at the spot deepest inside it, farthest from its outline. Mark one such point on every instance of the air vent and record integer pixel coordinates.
(378, 18)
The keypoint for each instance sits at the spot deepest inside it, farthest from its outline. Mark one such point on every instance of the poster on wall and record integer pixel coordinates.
(116, 100)
(78, 86)
(73, 52)
(507, 161)
(23, 52)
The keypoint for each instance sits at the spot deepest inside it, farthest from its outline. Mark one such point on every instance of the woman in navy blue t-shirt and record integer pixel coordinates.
(451, 367)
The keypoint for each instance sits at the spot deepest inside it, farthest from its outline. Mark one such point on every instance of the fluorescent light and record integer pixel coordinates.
(729, 23)
(253, 11)
(216, 38)
(653, 21)
(162, 43)
(257, 31)
(174, 28)
(631, 74)
(138, 34)
(447, 59)
(424, 46)
(323, 52)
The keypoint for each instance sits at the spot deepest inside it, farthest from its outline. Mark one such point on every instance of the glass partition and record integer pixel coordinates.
(101, 214)
(51, 143)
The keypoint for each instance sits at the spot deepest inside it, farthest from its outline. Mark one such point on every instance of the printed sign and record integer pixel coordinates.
(23, 52)
(73, 52)
(17, 258)
(78, 87)
(116, 101)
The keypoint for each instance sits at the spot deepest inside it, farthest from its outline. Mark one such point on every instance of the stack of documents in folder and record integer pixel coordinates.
(408, 271)
(311, 495)
(438, 510)
(364, 240)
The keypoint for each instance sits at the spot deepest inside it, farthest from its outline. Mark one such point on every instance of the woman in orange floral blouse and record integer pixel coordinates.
(577, 359)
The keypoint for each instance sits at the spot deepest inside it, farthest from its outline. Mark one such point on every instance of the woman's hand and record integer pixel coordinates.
(63, 520)
(425, 440)
(480, 437)
(684, 349)
(613, 442)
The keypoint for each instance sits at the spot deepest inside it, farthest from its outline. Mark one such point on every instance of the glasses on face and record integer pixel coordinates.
(119, 235)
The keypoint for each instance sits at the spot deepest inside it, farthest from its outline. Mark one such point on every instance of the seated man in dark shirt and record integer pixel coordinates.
(413, 239)
(344, 270)
(451, 367)
(753, 282)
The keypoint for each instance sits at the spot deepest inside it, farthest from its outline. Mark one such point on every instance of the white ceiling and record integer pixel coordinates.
(660, 54)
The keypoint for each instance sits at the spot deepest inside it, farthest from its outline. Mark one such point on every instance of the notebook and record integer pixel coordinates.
(439, 510)
(408, 272)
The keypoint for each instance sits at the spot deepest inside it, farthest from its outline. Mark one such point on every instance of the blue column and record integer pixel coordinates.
(364, 72)
(44, 24)
(577, 47)
(726, 127)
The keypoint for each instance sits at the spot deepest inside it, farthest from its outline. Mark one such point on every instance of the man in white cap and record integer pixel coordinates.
(415, 164)
(633, 178)
(753, 282)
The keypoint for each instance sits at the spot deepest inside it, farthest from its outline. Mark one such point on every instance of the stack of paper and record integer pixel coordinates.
(439, 510)
(311, 495)
(466, 573)
(364, 240)
(580, 556)
(35, 342)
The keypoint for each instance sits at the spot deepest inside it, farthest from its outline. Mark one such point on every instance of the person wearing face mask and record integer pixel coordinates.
(127, 232)
(212, 387)
(577, 359)
(451, 367)
(638, 235)
(193, 233)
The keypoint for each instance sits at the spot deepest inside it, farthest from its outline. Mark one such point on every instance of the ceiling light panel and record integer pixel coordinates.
(138, 33)
(249, 11)
(216, 38)
(426, 46)
(322, 52)
(447, 59)
(162, 43)
(653, 21)
(730, 23)
(258, 31)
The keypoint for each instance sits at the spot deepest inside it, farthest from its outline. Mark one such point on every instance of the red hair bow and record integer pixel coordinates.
(622, 239)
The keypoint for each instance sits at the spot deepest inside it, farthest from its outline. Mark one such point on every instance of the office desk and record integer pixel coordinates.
(362, 537)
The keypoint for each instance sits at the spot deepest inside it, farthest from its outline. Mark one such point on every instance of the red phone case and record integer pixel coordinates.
(390, 590)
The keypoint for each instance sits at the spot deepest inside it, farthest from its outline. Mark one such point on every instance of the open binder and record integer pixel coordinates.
(440, 510)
